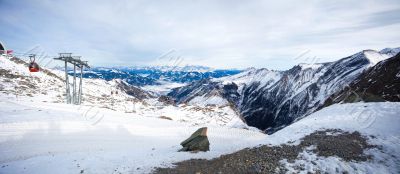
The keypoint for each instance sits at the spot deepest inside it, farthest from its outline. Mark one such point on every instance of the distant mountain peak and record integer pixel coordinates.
(310, 65)
(390, 51)
(374, 56)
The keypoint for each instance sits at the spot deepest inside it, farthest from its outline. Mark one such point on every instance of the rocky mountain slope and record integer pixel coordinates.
(270, 100)
(380, 83)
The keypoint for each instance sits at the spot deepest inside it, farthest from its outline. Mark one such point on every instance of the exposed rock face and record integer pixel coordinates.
(380, 83)
(132, 90)
(207, 89)
(299, 92)
(198, 141)
(198, 88)
(271, 100)
(166, 100)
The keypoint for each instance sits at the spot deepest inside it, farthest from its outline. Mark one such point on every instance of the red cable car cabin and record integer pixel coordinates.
(34, 67)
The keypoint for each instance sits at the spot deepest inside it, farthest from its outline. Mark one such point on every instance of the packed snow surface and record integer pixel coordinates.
(57, 138)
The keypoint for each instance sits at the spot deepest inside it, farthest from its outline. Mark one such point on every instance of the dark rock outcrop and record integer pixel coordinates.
(132, 90)
(167, 100)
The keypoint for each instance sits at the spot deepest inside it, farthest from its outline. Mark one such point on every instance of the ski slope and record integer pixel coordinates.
(59, 138)
(42, 138)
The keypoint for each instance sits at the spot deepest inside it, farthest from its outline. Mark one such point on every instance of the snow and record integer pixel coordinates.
(390, 51)
(110, 134)
(58, 138)
(211, 100)
(97, 93)
(375, 57)
(378, 119)
(164, 88)
(310, 66)
(263, 76)
(170, 66)
(331, 165)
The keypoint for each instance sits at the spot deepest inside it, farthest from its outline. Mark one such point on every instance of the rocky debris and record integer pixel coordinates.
(166, 100)
(165, 117)
(266, 159)
(8, 74)
(198, 141)
(348, 146)
(45, 71)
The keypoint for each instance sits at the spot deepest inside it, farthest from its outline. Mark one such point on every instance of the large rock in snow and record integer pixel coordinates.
(198, 141)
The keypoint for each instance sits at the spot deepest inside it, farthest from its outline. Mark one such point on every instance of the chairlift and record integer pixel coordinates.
(33, 66)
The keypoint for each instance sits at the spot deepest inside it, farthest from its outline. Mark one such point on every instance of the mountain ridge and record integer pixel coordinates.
(291, 95)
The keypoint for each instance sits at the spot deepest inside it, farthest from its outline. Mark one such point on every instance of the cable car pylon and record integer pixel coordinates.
(76, 61)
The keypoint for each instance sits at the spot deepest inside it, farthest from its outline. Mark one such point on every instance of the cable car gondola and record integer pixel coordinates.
(33, 66)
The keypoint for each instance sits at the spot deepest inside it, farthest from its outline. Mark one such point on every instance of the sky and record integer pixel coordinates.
(215, 33)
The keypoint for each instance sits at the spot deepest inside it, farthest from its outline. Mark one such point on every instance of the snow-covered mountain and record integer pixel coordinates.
(379, 83)
(48, 86)
(157, 75)
(270, 100)
(187, 68)
(121, 128)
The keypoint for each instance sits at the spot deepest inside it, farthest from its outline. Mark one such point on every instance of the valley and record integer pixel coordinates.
(125, 127)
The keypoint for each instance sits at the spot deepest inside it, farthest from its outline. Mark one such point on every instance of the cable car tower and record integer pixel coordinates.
(76, 61)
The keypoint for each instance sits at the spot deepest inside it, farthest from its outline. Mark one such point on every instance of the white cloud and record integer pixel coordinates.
(212, 33)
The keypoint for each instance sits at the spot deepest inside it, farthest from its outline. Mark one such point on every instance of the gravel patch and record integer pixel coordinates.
(266, 159)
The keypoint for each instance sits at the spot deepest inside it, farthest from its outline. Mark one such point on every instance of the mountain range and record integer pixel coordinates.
(155, 75)
(271, 100)
(268, 99)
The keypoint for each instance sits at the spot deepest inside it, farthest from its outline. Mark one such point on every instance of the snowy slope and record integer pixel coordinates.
(262, 76)
(58, 138)
(374, 57)
(377, 120)
(48, 86)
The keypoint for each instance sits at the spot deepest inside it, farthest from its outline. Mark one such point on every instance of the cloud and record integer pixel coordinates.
(212, 33)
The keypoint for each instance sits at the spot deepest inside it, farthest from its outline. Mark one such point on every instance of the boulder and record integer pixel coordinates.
(198, 141)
